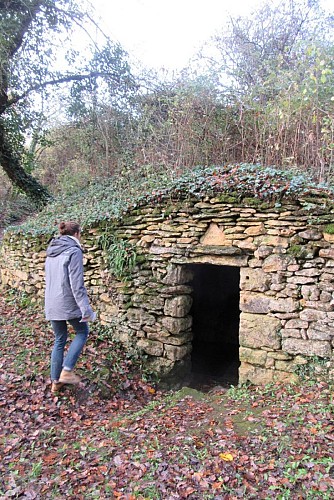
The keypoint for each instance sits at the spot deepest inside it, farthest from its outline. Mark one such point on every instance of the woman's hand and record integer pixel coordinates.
(90, 318)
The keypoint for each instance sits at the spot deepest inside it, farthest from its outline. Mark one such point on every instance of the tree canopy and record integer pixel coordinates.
(252, 50)
(266, 97)
(37, 55)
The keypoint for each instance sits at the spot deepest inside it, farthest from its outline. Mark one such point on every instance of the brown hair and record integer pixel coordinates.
(70, 228)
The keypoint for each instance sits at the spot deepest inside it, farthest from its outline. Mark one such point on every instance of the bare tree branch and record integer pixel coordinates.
(57, 81)
(26, 21)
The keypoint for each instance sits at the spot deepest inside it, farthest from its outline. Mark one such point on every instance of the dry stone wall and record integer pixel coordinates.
(286, 262)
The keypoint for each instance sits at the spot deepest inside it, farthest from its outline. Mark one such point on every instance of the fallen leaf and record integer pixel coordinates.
(227, 457)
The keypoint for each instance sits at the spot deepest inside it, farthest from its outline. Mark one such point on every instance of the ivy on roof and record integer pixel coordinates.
(114, 198)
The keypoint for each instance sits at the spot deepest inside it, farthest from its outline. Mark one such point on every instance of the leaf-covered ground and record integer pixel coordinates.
(118, 438)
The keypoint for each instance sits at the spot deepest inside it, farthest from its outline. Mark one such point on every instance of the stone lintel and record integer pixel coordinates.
(221, 260)
(215, 250)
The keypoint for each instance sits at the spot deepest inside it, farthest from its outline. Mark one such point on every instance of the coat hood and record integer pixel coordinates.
(60, 245)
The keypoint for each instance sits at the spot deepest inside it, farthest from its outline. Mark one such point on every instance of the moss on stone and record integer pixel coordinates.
(140, 259)
(127, 305)
(297, 251)
(329, 229)
(226, 198)
(156, 211)
(254, 202)
(168, 210)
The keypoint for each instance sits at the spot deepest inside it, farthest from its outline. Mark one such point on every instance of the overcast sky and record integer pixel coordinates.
(167, 33)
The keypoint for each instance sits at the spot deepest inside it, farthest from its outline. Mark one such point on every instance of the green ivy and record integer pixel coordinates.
(113, 199)
(308, 370)
(120, 255)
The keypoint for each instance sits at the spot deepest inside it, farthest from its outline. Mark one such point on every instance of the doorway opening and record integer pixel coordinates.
(215, 312)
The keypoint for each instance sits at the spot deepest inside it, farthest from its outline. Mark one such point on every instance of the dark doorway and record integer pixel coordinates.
(215, 312)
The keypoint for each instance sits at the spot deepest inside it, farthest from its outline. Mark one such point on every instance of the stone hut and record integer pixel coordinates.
(217, 278)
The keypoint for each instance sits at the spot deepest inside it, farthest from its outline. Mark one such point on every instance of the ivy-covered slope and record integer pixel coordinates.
(112, 199)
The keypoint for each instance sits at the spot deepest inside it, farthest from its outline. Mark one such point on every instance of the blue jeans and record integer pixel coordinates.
(57, 356)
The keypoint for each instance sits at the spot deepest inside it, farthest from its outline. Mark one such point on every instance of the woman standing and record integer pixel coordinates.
(66, 301)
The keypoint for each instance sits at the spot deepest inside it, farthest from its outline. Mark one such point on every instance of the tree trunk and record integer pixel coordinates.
(19, 177)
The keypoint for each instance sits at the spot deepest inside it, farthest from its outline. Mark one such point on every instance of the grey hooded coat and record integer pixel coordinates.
(65, 292)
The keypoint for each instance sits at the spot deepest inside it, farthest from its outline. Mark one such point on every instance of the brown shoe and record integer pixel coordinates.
(69, 377)
(55, 387)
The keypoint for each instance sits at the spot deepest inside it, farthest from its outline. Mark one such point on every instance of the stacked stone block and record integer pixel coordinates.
(286, 262)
